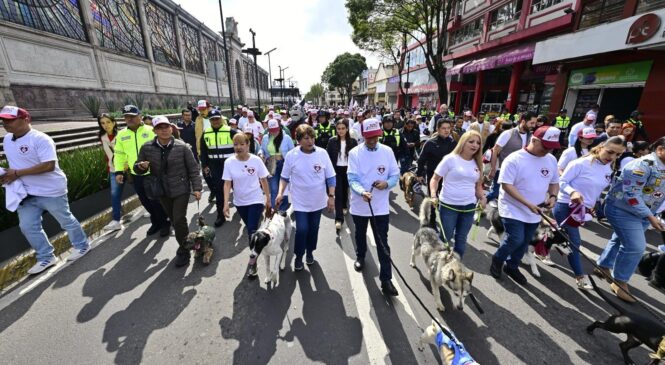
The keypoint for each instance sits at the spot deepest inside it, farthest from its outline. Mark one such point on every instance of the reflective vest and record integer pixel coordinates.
(505, 116)
(562, 122)
(128, 144)
(390, 139)
(218, 142)
(636, 123)
(324, 133)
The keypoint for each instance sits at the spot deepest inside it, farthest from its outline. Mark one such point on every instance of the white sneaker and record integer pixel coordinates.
(584, 283)
(42, 265)
(77, 254)
(113, 226)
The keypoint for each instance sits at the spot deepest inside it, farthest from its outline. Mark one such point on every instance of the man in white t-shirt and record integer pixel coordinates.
(372, 173)
(528, 179)
(243, 118)
(588, 121)
(257, 128)
(34, 162)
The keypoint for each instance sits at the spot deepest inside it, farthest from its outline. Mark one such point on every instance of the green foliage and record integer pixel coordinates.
(138, 100)
(127, 100)
(171, 103)
(343, 71)
(315, 93)
(92, 104)
(111, 105)
(86, 174)
(153, 112)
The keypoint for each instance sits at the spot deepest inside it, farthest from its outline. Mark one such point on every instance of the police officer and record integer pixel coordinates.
(562, 122)
(324, 129)
(390, 136)
(640, 133)
(216, 147)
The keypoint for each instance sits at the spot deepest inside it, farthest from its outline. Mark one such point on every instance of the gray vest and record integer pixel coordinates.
(513, 144)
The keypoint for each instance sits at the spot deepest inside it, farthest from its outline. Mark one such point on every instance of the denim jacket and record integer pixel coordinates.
(284, 148)
(640, 189)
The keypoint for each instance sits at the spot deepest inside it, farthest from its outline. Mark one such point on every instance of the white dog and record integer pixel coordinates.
(272, 239)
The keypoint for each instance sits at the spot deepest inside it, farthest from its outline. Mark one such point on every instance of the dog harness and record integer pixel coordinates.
(461, 357)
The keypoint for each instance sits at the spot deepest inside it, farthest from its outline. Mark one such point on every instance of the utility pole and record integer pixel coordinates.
(407, 102)
(255, 52)
(226, 57)
(281, 79)
(270, 75)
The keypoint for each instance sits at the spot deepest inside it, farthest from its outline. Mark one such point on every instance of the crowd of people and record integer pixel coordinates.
(347, 161)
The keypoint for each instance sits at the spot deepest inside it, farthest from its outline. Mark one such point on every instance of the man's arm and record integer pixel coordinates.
(40, 168)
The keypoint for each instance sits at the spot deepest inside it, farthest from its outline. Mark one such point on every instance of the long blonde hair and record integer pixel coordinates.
(478, 156)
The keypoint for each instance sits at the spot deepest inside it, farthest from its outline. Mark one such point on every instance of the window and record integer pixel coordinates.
(117, 25)
(59, 17)
(467, 32)
(416, 57)
(538, 5)
(505, 14)
(190, 42)
(595, 12)
(644, 6)
(162, 35)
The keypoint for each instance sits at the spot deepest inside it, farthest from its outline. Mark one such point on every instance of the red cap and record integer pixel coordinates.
(548, 136)
(13, 112)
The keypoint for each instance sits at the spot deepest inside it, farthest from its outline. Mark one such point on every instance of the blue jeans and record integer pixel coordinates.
(515, 241)
(494, 189)
(30, 221)
(116, 198)
(561, 212)
(626, 247)
(273, 183)
(307, 233)
(405, 162)
(380, 232)
(158, 216)
(251, 216)
(457, 225)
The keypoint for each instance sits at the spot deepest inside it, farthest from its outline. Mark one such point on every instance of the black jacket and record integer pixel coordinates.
(412, 136)
(490, 141)
(433, 152)
(333, 147)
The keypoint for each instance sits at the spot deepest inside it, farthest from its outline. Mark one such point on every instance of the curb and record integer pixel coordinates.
(17, 268)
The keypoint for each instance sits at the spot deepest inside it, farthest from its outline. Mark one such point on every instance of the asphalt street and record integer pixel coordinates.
(126, 303)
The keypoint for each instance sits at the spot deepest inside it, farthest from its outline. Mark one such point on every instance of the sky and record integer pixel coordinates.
(308, 34)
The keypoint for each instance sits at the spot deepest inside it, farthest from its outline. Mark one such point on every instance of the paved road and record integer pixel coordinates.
(126, 303)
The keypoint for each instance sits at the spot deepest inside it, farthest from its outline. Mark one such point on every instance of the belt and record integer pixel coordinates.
(220, 156)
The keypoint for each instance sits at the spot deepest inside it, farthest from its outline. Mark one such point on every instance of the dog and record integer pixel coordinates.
(272, 239)
(407, 182)
(201, 241)
(443, 264)
(430, 335)
(640, 330)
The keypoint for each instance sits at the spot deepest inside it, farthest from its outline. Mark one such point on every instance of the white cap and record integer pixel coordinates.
(160, 119)
(202, 104)
(273, 125)
(244, 110)
(277, 117)
(233, 121)
(250, 114)
(591, 115)
(468, 113)
(588, 132)
(371, 128)
(248, 129)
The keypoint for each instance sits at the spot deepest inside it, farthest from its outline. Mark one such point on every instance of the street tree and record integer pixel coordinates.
(342, 72)
(381, 23)
(315, 93)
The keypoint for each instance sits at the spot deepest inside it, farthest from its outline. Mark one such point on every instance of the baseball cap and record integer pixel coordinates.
(468, 113)
(214, 114)
(282, 111)
(590, 116)
(130, 110)
(278, 117)
(271, 107)
(248, 130)
(202, 104)
(371, 128)
(548, 136)
(13, 112)
(250, 114)
(160, 119)
(245, 110)
(564, 110)
(273, 125)
(233, 121)
(589, 132)
(239, 107)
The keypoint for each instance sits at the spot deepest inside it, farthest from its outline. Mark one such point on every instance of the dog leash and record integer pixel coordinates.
(476, 224)
(570, 245)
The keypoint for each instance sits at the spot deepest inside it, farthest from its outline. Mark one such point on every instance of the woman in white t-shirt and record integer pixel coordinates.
(582, 182)
(585, 138)
(247, 176)
(338, 151)
(462, 188)
(310, 175)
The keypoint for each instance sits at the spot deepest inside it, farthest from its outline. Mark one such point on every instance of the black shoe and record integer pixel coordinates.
(388, 288)
(220, 221)
(358, 265)
(181, 260)
(495, 268)
(211, 198)
(515, 274)
(165, 230)
(152, 230)
(252, 272)
(310, 261)
(297, 265)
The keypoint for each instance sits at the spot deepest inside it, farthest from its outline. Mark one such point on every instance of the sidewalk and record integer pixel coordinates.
(54, 125)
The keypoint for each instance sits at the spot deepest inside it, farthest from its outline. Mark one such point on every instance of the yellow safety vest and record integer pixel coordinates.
(219, 142)
(330, 129)
(127, 146)
(562, 123)
(393, 132)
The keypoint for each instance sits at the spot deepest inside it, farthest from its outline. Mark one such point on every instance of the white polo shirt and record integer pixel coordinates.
(307, 174)
(246, 177)
(32, 149)
(371, 166)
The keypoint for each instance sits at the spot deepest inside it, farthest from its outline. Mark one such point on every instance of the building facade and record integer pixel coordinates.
(55, 54)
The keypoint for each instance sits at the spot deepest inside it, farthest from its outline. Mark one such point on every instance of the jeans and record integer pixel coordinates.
(30, 221)
(273, 183)
(457, 225)
(157, 214)
(515, 241)
(561, 212)
(341, 192)
(116, 198)
(251, 216)
(627, 244)
(494, 189)
(405, 162)
(176, 208)
(215, 183)
(380, 232)
(307, 233)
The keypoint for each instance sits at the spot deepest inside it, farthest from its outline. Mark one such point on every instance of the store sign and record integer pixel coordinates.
(643, 29)
(615, 74)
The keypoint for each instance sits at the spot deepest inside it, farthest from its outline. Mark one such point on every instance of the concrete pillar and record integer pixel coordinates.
(181, 48)
(513, 88)
(478, 92)
(88, 25)
(147, 42)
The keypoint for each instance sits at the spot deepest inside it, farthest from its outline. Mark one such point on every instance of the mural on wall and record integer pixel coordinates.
(213, 54)
(53, 16)
(190, 41)
(117, 25)
(162, 35)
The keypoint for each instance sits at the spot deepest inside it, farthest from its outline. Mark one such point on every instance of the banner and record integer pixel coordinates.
(615, 74)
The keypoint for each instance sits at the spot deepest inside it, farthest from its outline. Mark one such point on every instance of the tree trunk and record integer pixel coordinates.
(442, 87)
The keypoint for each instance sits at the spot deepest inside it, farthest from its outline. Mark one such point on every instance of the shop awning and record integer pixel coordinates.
(517, 54)
(456, 70)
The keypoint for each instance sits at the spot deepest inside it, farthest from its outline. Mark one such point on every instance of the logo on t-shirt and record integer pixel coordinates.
(250, 170)
(608, 177)
(317, 168)
(544, 172)
(381, 169)
(24, 149)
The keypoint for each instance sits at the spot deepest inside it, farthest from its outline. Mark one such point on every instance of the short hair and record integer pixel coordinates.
(304, 130)
(185, 111)
(528, 116)
(614, 121)
(443, 121)
(241, 138)
(640, 145)
(543, 119)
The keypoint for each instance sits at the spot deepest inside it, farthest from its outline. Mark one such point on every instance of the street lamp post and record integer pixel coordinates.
(281, 79)
(255, 52)
(270, 74)
(226, 56)
(407, 83)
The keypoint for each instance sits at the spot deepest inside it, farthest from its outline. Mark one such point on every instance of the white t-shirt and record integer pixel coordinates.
(342, 157)
(532, 176)
(586, 177)
(307, 174)
(568, 156)
(242, 121)
(466, 124)
(245, 176)
(572, 137)
(32, 149)
(257, 129)
(459, 180)
(358, 133)
(371, 166)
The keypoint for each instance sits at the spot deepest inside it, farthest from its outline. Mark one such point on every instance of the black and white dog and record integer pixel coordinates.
(272, 239)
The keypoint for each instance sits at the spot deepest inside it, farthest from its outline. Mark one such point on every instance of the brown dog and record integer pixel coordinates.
(407, 181)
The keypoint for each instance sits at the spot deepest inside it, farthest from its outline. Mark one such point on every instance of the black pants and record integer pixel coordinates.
(176, 208)
(380, 232)
(341, 192)
(157, 214)
(215, 182)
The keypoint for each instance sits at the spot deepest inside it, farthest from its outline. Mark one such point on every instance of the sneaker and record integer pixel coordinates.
(181, 259)
(113, 226)
(42, 265)
(515, 274)
(583, 283)
(252, 271)
(77, 254)
(297, 265)
(310, 261)
(495, 268)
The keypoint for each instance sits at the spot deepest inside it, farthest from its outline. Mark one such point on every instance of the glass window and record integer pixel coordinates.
(117, 25)
(190, 42)
(467, 32)
(644, 6)
(538, 5)
(595, 12)
(162, 35)
(505, 14)
(58, 17)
